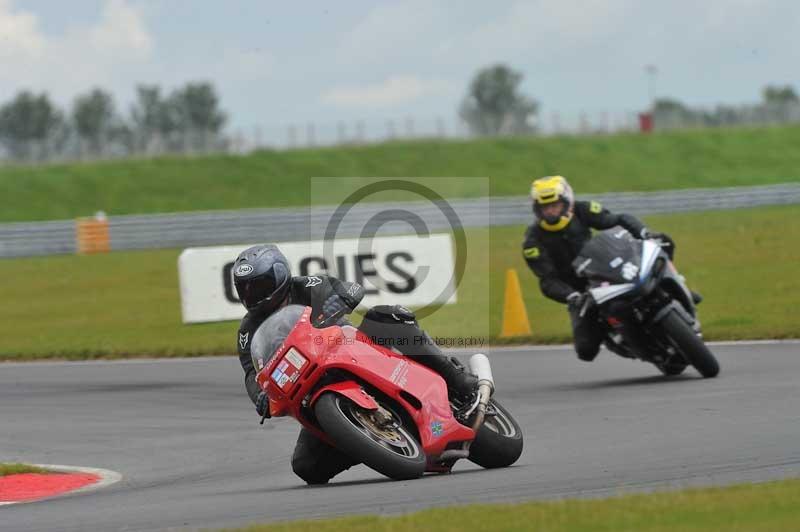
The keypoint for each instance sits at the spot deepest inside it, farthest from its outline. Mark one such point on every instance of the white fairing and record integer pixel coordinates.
(601, 294)
(480, 367)
(650, 251)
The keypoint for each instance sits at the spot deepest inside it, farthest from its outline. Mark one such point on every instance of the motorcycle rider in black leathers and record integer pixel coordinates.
(552, 242)
(264, 284)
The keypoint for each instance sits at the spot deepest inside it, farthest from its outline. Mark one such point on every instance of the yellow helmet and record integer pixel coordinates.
(552, 190)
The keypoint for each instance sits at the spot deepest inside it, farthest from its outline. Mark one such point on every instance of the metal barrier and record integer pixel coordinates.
(296, 224)
(37, 238)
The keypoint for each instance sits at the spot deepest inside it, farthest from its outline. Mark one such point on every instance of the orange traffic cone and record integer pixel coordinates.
(515, 316)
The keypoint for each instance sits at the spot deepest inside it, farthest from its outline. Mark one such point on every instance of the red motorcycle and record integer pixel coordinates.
(375, 405)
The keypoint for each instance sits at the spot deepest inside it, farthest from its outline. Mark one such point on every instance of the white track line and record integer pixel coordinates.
(569, 347)
(107, 478)
(472, 349)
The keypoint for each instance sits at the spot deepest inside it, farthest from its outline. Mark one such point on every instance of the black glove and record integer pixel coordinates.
(351, 293)
(576, 300)
(334, 305)
(344, 299)
(262, 405)
(654, 235)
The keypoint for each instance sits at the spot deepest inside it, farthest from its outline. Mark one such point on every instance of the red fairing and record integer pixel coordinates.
(288, 379)
(350, 389)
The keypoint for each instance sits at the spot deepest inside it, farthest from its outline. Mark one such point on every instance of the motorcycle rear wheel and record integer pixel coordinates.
(498, 442)
(392, 450)
(691, 345)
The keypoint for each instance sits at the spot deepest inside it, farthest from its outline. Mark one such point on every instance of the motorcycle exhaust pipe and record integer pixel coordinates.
(480, 367)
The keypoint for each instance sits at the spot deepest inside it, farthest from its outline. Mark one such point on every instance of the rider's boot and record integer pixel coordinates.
(696, 298)
(460, 383)
(396, 326)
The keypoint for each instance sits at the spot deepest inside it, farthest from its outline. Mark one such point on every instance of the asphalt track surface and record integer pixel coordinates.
(192, 454)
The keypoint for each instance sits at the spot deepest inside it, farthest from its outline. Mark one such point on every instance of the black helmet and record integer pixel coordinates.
(261, 276)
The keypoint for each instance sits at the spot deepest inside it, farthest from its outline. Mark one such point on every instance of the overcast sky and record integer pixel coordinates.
(295, 62)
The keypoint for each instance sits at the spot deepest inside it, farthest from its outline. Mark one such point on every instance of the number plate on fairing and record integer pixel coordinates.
(289, 369)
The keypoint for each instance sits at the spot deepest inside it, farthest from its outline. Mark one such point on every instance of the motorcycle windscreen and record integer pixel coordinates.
(612, 256)
(272, 333)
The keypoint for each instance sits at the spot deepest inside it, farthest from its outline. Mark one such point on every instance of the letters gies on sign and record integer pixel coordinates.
(405, 270)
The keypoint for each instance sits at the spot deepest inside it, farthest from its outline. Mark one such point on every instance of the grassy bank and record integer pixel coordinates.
(707, 158)
(16, 469)
(745, 508)
(127, 303)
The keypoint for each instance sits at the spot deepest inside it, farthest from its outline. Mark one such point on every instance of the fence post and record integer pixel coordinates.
(341, 133)
(583, 123)
(604, 127)
(360, 132)
(311, 135)
(258, 137)
(556, 119)
(441, 132)
(410, 127)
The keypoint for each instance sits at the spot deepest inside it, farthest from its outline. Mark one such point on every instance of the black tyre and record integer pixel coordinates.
(389, 448)
(690, 345)
(499, 440)
(673, 368)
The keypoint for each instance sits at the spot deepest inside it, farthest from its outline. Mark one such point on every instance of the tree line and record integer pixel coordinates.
(189, 118)
(495, 105)
(779, 104)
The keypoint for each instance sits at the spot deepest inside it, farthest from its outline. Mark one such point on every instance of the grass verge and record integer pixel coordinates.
(680, 159)
(748, 507)
(16, 469)
(126, 304)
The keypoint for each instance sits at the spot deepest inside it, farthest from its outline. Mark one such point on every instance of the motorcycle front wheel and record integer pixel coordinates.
(690, 345)
(384, 445)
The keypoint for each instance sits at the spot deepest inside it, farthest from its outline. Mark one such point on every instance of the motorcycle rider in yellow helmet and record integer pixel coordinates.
(562, 226)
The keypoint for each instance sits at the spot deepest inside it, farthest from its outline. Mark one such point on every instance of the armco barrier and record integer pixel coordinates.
(293, 224)
(37, 238)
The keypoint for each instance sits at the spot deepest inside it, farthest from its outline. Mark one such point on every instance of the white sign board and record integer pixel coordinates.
(406, 270)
